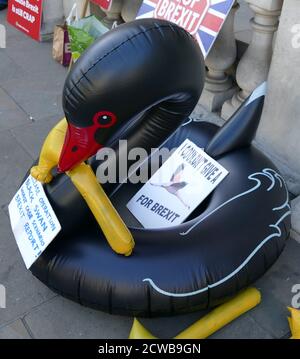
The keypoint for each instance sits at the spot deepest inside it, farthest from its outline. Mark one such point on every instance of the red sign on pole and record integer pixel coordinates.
(104, 4)
(26, 15)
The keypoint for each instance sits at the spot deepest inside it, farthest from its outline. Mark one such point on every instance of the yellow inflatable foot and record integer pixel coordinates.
(294, 322)
(41, 174)
(50, 153)
(212, 322)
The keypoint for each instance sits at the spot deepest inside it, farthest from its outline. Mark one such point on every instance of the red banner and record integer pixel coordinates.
(104, 4)
(26, 15)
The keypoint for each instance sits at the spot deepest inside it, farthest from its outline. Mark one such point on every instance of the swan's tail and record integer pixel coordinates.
(240, 129)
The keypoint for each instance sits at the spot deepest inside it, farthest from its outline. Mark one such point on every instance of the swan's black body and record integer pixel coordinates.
(153, 71)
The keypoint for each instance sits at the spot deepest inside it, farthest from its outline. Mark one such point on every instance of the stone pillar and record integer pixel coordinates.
(130, 9)
(279, 131)
(53, 14)
(218, 85)
(254, 66)
(113, 15)
(68, 4)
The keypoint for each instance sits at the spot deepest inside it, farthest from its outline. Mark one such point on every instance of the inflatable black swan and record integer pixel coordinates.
(140, 82)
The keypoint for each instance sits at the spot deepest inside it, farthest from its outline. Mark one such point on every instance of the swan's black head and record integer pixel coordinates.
(148, 71)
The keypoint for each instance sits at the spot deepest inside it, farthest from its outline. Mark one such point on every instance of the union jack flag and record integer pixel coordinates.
(202, 18)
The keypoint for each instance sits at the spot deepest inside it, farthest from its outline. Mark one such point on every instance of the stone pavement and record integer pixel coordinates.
(30, 103)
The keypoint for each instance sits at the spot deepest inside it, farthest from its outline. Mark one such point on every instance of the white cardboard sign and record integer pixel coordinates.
(177, 188)
(33, 220)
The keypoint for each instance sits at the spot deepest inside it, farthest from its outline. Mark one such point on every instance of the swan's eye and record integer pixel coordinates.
(104, 120)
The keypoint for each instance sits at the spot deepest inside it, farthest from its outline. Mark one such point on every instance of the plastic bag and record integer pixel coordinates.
(61, 51)
(83, 33)
(73, 16)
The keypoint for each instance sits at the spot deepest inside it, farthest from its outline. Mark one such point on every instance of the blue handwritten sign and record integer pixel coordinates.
(33, 220)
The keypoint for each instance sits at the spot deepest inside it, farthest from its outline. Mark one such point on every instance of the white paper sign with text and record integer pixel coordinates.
(33, 220)
(177, 188)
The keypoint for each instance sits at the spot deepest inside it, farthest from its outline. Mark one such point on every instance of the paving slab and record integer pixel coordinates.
(23, 291)
(31, 136)
(14, 162)
(39, 95)
(244, 327)
(15, 330)
(276, 288)
(29, 74)
(169, 327)
(296, 214)
(36, 56)
(63, 319)
(12, 33)
(27, 53)
(11, 115)
(9, 68)
(295, 235)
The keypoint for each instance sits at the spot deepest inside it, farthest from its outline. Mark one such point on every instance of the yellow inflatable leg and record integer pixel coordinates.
(294, 322)
(113, 227)
(222, 315)
(139, 332)
(50, 153)
(210, 323)
(116, 232)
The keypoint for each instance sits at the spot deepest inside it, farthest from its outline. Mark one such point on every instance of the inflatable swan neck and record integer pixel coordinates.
(239, 131)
